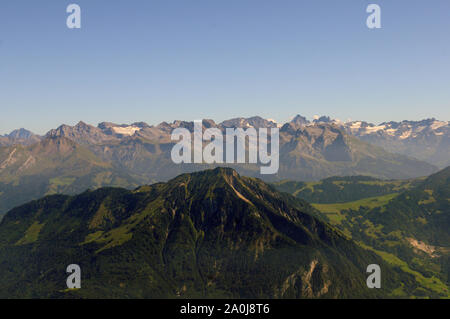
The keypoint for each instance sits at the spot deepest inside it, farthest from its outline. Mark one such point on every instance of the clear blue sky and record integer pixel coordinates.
(161, 60)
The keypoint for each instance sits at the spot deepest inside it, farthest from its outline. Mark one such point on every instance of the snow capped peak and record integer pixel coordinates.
(400, 130)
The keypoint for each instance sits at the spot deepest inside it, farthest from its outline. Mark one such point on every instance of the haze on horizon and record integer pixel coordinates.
(157, 61)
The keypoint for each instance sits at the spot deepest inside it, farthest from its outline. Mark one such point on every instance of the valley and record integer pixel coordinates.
(407, 227)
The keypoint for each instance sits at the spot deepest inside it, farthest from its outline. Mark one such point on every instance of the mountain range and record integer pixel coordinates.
(427, 140)
(70, 159)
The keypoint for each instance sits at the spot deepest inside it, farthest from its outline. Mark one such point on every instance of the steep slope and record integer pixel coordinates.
(207, 234)
(54, 165)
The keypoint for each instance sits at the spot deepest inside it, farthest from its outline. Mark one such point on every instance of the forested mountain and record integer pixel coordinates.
(206, 234)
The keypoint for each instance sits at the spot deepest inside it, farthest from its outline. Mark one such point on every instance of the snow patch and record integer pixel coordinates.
(438, 124)
(129, 130)
(374, 129)
(405, 135)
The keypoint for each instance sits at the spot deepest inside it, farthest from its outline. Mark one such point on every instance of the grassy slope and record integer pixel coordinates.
(386, 223)
(333, 211)
(344, 189)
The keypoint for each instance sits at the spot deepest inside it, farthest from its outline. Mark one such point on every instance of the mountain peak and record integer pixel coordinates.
(219, 171)
(82, 124)
(141, 125)
(225, 229)
(254, 121)
(210, 175)
(299, 120)
(20, 134)
(323, 119)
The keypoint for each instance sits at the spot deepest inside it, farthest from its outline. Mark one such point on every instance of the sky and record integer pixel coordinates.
(164, 60)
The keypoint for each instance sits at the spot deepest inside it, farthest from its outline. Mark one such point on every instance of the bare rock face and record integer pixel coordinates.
(81, 133)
